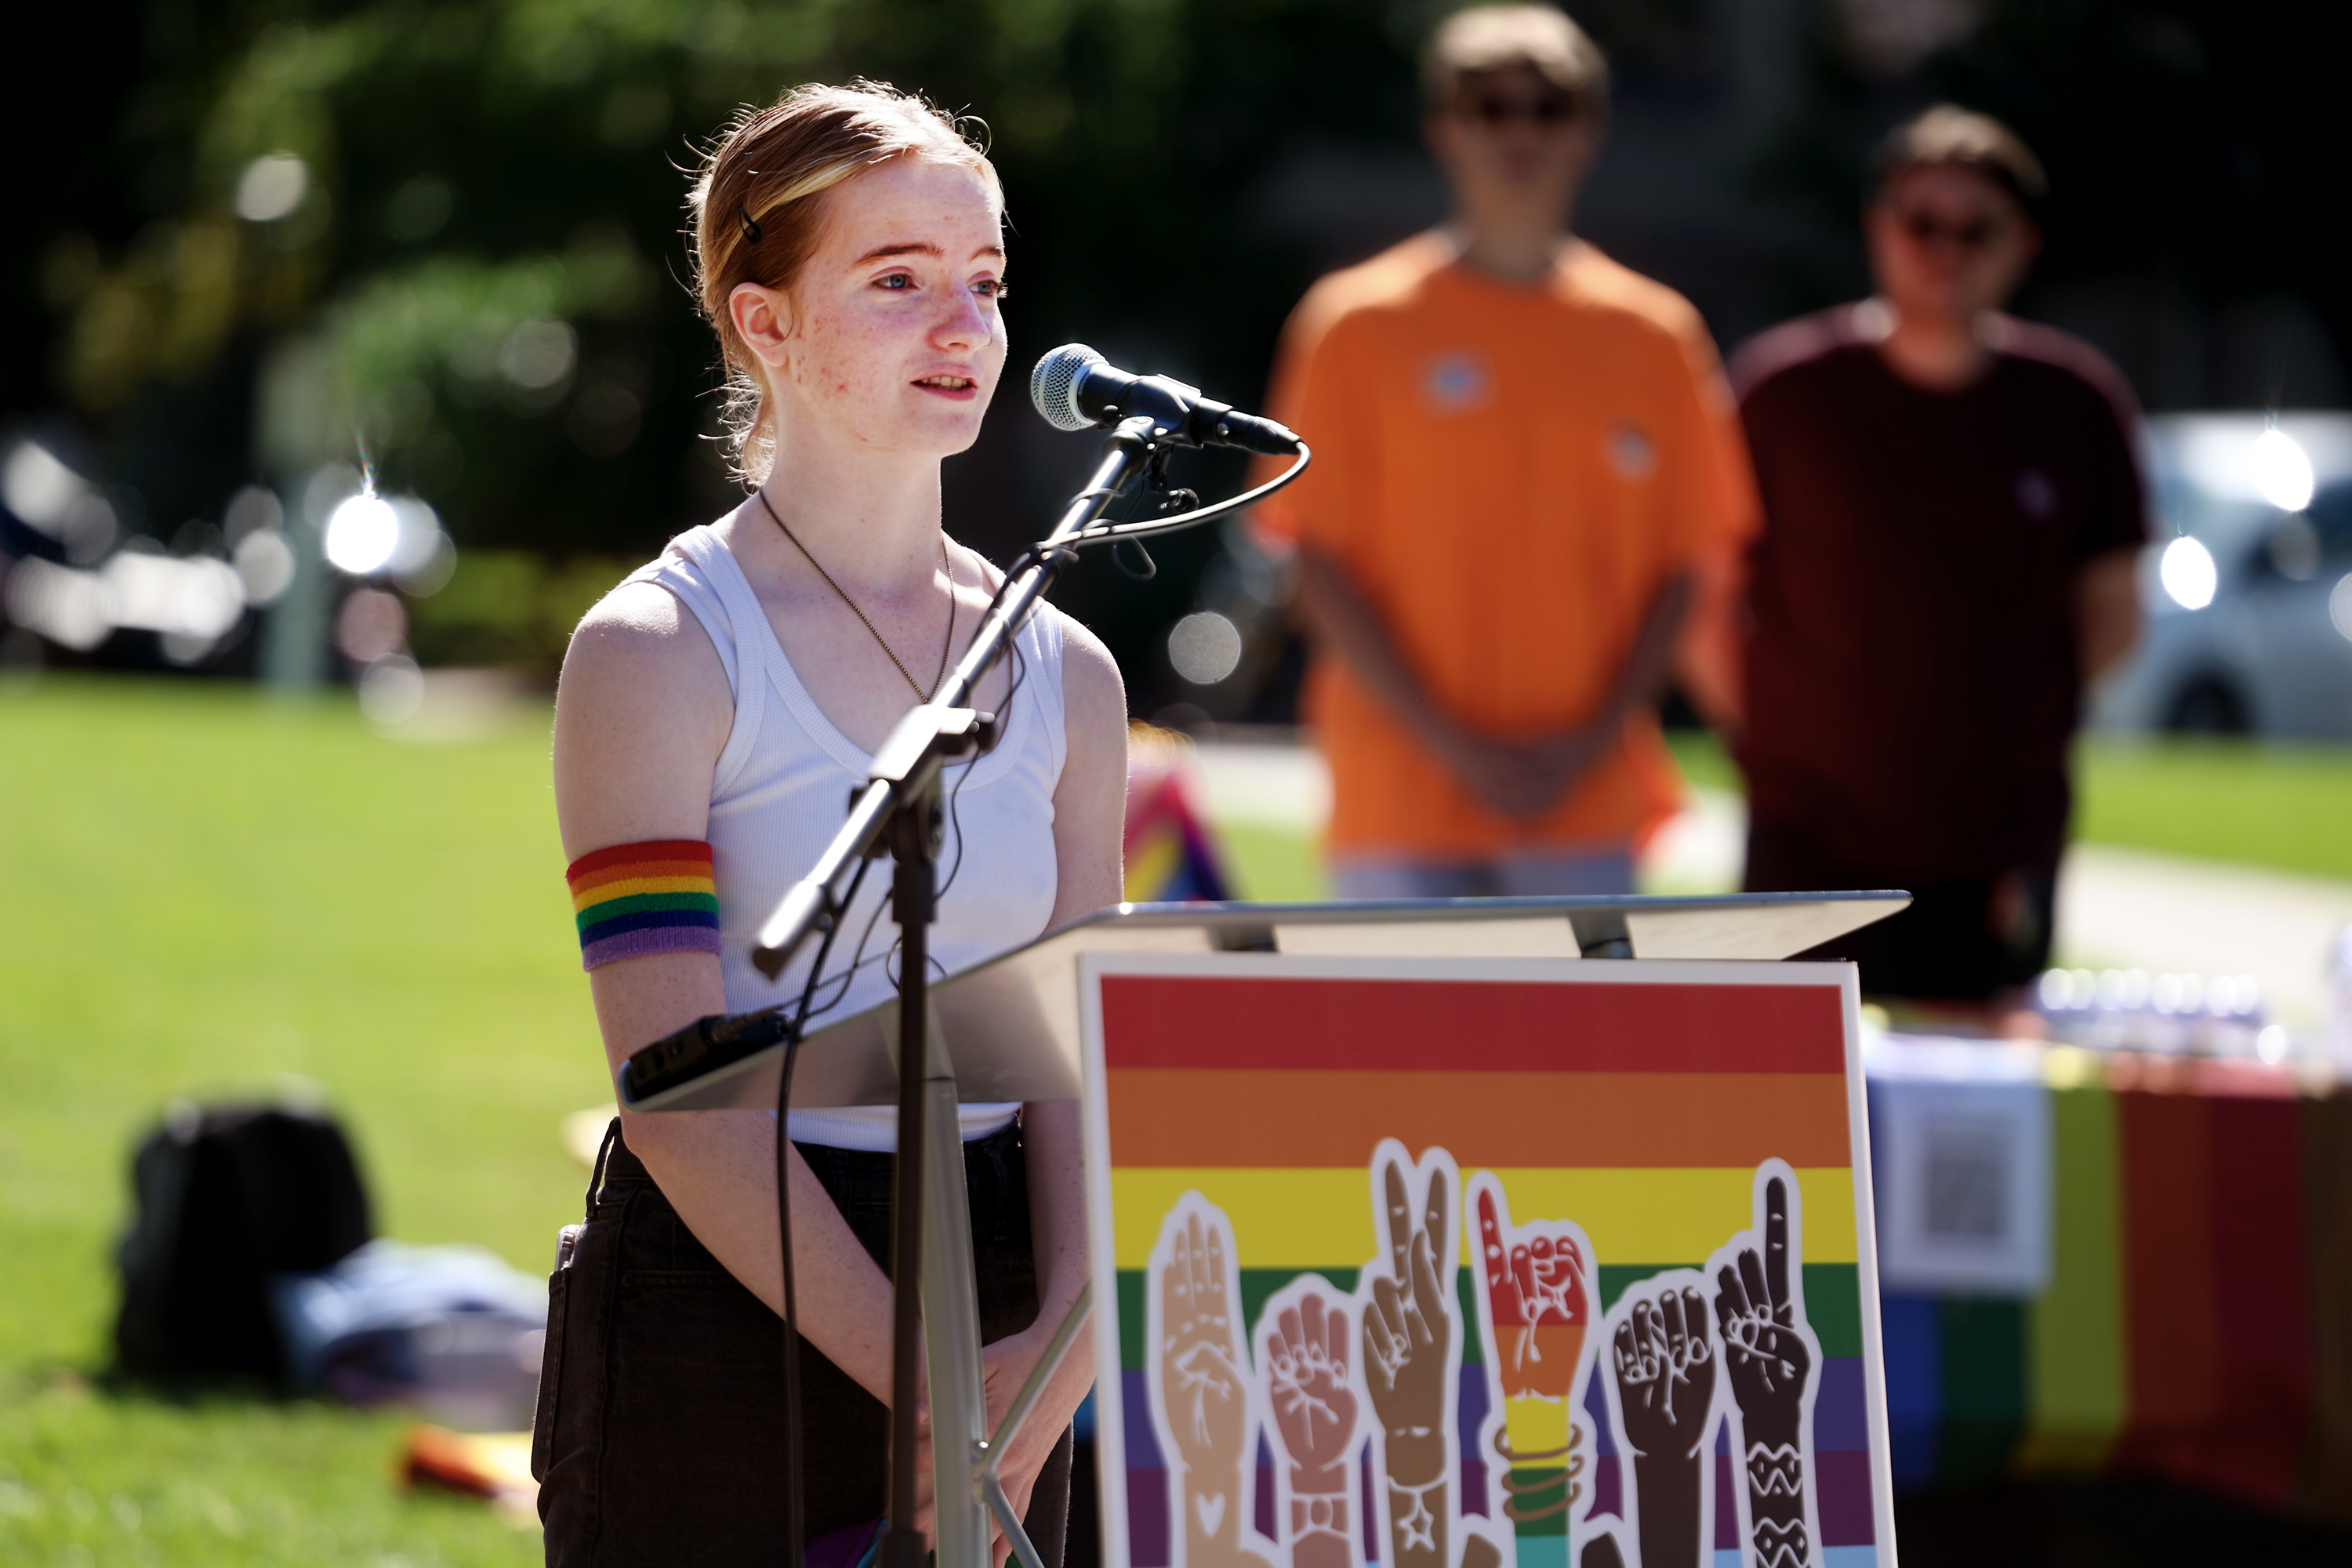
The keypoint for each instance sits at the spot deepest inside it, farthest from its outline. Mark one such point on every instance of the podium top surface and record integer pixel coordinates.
(1011, 1024)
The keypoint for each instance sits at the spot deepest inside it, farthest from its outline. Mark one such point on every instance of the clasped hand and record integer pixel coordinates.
(1523, 779)
(1004, 1369)
(1005, 1366)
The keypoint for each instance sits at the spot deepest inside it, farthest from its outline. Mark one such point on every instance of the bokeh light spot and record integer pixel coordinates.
(1204, 648)
(392, 690)
(272, 186)
(2188, 573)
(2282, 471)
(362, 534)
(538, 354)
(371, 626)
(265, 562)
(36, 487)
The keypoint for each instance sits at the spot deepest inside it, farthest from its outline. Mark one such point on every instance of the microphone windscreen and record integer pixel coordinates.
(1054, 386)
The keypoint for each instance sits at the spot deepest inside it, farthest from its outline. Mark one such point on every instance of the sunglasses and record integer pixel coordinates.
(1974, 234)
(1494, 109)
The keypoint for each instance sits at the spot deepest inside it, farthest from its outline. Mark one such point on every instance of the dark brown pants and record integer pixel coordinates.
(660, 1433)
(1961, 940)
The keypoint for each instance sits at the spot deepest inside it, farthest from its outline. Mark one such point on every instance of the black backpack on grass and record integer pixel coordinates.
(225, 1197)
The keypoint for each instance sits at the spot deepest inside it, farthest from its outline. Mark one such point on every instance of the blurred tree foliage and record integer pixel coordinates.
(482, 277)
(482, 274)
(472, 256)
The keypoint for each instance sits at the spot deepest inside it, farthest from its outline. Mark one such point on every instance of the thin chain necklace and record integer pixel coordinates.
(945, 648)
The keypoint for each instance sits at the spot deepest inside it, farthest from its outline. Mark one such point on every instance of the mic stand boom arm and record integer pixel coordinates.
(897, 812)
(907, 764)
(902, 800)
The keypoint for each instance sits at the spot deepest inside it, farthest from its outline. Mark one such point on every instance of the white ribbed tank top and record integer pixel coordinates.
(780, 793)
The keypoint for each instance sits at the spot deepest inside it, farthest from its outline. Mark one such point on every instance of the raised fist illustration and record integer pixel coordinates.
(1766, 1356)
(1408, 1357)
(1306, 1339)
(1201, 1380)
(1665, 1397)
(1304, 1347)
(1665, 1373)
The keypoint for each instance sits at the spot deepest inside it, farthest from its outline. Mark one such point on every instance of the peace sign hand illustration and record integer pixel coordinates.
(1408, 1355)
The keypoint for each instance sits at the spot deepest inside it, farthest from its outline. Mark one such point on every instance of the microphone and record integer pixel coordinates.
(1073, 387)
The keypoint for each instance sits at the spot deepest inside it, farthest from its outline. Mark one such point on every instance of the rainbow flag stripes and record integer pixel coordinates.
(1168, 853)
(637, 898)
(1515, 1272)
(2198, 1321)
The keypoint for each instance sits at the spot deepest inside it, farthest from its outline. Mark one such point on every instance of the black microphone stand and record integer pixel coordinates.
(899, 812)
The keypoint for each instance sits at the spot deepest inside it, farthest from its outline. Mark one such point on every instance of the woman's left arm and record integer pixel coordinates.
(1089, 820)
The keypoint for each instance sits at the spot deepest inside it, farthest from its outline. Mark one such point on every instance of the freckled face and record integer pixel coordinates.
(899, 340)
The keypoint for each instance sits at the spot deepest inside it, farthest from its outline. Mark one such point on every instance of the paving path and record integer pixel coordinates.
(2116, 908)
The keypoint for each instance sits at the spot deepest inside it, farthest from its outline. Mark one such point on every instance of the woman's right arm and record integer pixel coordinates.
(641, 716)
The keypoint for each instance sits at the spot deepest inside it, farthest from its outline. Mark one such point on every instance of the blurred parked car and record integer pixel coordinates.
(2248, 587)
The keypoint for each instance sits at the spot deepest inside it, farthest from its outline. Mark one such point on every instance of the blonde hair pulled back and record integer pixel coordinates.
(758, 215)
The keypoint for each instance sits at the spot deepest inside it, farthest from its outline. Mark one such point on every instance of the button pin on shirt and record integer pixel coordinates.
(2037, 494)
(1632, 453)
(1457, 382)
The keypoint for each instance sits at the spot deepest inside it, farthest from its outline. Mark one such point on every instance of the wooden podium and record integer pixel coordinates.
(1419, 1237)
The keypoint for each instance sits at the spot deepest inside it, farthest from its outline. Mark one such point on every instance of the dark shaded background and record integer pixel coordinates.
(1178, 169)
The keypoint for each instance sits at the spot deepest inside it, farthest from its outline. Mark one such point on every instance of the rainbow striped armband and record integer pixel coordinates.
(639, 898)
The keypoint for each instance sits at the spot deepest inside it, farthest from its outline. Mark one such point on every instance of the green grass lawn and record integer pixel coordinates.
(205, 888)
(2285, 807)
(2288, 807)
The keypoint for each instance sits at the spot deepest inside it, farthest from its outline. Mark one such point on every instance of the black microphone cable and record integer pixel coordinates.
(795, 1511)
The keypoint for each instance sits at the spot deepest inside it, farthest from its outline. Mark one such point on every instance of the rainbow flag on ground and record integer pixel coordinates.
(1459, 1265)
(2198, 1325)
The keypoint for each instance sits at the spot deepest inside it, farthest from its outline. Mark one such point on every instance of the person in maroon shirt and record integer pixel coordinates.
(1952, 513)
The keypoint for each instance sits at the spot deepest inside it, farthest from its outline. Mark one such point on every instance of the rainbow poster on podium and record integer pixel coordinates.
(1482, 1263)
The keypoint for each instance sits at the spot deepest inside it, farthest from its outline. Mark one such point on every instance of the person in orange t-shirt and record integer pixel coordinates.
(1527, 466)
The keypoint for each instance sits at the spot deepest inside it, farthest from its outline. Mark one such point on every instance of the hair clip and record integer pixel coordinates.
(750, 229)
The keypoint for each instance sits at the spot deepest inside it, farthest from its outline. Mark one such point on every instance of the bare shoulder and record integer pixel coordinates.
(1093, 693)
(1090, 800)
(642, 711)
(638, 624)
(639, 656)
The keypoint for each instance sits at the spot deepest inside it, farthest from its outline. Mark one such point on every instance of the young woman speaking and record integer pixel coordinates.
(715, 710)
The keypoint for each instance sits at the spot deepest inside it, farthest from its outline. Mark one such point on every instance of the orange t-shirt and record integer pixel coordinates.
(1509, 473)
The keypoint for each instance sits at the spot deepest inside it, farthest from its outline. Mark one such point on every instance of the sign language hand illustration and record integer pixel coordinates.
(1306, 1342)
(1533, 1296)
(1199, 1379)
(1770, 1358)
(1666, 1398)
(1409, 1357)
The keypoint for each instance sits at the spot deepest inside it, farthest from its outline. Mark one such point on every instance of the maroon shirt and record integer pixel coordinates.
(1913, 674)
